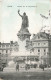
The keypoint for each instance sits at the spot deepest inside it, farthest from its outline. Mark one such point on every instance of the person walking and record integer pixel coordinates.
(17, 67)
(43, 67)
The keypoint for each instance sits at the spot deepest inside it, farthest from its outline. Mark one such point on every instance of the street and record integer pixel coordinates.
(26, 75)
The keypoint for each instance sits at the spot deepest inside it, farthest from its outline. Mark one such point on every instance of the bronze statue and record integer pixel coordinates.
(24, 20)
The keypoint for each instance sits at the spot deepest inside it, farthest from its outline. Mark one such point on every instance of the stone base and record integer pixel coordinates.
(23, 34)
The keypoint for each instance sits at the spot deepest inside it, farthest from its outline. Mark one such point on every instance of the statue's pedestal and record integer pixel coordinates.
(23, 36)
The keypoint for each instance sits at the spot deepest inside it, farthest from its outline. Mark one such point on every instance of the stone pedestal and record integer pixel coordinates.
(23, 35)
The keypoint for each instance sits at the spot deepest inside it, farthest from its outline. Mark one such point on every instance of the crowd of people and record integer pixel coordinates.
(27, 67)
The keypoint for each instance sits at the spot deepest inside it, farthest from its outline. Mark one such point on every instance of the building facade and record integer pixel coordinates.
(7, 48)
(41, 44)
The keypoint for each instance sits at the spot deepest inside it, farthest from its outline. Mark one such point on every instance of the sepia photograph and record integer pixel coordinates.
(25, 39)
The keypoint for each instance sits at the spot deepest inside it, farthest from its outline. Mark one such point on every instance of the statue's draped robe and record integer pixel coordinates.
(24, 21)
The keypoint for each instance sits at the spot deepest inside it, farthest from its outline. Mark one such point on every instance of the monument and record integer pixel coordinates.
(23, 33)
(23, 36)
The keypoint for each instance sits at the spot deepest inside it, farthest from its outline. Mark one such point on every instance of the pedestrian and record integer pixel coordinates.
(17, 67)
(43, 68)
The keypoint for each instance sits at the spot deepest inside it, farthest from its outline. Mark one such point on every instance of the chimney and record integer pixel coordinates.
(11, 42)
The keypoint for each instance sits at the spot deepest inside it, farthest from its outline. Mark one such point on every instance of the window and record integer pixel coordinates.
(38, 53)
(15, 45)
(0, 53)
(44, 50)
(3, 45)
(2, 50)
(44, 43)
(44, 53)
(36, 59)
(7, 45)
(33, 44)
(32, 59)
(38, 43)
(6, 51)
(38, 37)
(38, 50)
(0, 45)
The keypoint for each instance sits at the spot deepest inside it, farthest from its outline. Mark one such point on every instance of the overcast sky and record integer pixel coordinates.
(11, 21)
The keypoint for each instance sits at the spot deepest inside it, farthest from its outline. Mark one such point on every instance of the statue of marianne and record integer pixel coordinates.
(24, 20)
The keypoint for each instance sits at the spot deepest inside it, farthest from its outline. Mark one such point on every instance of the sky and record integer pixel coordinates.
(10, 22)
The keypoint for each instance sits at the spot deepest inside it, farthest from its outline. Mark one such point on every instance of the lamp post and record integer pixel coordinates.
(6, 57)
(0, 58)
(30, 57)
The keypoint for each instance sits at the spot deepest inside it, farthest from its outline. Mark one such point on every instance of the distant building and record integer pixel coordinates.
(7, 48)
(41, 46)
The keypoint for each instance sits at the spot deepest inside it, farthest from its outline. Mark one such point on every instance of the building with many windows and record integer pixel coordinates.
(41, 45)
(6, 49)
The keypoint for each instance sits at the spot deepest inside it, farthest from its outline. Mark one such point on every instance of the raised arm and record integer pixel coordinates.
(19, 13)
